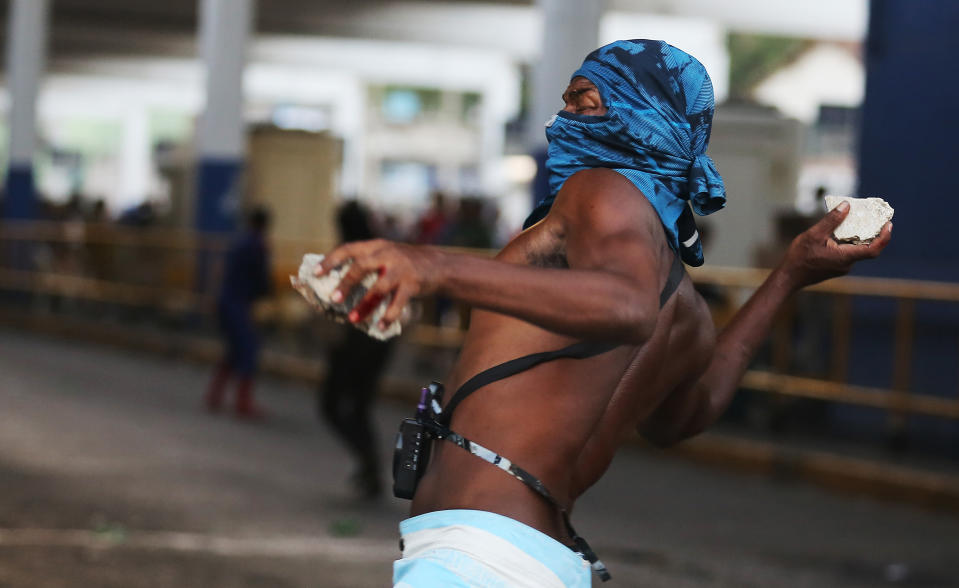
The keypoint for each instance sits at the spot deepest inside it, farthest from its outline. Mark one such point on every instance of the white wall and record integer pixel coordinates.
(330, 73)
(757, 153)
(703, 39)
(825, 74)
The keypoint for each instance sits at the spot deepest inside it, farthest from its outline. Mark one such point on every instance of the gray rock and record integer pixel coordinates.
(317, 291)
(866, 218)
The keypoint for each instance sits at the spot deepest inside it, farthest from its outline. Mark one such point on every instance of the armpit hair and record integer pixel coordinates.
(553, 259)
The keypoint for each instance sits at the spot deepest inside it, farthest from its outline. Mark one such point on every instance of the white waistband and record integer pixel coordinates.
(498, 556)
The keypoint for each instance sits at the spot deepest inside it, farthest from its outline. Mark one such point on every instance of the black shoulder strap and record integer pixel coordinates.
(580, 350)
(672, 282)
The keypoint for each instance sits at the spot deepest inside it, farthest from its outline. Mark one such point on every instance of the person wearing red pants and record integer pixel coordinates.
(246, 277)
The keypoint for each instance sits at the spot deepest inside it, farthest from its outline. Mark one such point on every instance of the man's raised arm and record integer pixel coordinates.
(812, 257)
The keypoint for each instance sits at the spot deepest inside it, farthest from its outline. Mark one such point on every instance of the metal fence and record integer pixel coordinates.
(174, 273)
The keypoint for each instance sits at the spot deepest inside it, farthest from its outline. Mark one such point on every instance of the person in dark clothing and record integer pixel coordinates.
(356, 364)
(246, 277)
(470, 229)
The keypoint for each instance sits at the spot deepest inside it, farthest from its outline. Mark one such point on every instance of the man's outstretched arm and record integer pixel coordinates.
(610, 292)
(812, 257)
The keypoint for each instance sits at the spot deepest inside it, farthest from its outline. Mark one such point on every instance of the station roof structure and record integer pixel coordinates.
(91, 28)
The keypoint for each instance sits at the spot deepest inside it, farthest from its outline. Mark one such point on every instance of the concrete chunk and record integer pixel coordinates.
(317, 291)
(866, 218)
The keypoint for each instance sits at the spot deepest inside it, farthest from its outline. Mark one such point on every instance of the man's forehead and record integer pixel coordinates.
(580, 81)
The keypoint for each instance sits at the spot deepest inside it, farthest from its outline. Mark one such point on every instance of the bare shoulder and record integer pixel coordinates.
(605, 200)
(605, 223)
(603, 213)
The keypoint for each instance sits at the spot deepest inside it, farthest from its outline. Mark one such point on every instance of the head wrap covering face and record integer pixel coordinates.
(660, 106)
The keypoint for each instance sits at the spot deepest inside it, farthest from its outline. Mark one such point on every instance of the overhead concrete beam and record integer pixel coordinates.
(842, 20)
(513, 28)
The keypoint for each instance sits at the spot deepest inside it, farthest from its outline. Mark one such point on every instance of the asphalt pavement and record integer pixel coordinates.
(111, 474)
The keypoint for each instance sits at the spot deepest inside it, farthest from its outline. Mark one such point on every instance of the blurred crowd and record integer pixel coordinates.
(138, 251)
(469, 222)
(84, 239)
(144, 245)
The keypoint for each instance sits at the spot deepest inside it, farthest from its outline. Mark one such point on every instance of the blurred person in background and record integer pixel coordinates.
(99, 251)
(141, 215)
(432, 227)
(98, 215)
(246, 278)
(470, 228)
(355, 367)
(392, 229)
(585, 328)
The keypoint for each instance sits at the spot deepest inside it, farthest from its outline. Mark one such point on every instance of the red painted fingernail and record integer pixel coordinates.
(381, 270)
(353, 316)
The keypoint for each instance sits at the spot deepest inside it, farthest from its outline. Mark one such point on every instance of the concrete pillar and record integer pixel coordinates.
(492, 145)
(570, 32)
(448, 173)
(349, 121)
(136, 157)
(26, 55)
(225, 27)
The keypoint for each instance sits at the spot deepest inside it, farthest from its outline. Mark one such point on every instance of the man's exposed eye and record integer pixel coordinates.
(582, 97)
(571, 95)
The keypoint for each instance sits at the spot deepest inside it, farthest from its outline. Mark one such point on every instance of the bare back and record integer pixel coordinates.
(562, 421)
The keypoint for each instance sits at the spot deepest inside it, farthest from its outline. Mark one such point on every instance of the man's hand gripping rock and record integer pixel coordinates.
(404, 272)
(815, 256)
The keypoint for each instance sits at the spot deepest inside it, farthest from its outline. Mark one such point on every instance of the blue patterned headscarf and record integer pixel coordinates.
(660, 106)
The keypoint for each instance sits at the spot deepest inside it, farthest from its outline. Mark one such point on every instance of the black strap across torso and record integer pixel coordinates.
(578, 350)
(580, 545)
(676, 272)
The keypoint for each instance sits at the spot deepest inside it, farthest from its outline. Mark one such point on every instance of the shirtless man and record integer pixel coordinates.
(596, 268)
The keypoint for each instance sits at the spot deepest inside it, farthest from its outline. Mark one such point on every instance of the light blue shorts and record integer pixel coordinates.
(474, 548)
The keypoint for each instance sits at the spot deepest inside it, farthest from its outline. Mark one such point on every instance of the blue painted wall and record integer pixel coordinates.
(217, 195)
(909, 155)
(909, 148)
(19, 198)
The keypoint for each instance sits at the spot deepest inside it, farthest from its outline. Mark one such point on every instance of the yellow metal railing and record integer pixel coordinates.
(157, 268)
(897, 400)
